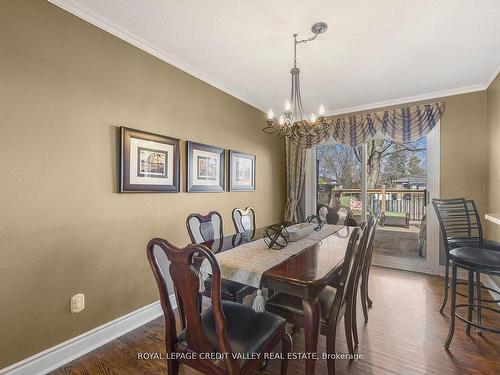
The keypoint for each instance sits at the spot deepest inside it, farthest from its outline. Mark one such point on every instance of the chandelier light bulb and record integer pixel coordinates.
(313, 117)
(281, 120)
(270, 114)
(288, 106)
(321, 110)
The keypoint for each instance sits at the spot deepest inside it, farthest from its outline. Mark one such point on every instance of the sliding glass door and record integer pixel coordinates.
(386, 178)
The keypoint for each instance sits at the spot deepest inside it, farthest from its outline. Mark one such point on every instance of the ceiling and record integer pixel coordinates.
(375, 53)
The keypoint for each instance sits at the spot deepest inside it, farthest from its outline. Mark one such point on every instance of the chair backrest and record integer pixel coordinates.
(460, 223)
(344, 214)
(367, 230)
(351, 262)
(370, 230)
(185, 279)
(244, 220)
(476, 233)
(204, 228)
(328, 215)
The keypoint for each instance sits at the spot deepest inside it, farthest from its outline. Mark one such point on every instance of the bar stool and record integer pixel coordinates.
(462, 234)
(461, 227)
(476, 261)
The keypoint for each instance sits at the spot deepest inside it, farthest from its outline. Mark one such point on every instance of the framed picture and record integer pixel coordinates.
(205, 168)
(241, 171)
(148, 162)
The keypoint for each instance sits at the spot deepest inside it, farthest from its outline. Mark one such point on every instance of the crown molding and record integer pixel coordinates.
(105, 24)
(409, 99)
(492, 77)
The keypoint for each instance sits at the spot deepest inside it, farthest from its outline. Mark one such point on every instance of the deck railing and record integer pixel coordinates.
(411, 201)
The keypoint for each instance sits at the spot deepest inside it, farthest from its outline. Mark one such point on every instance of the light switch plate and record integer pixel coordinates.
(77, 303)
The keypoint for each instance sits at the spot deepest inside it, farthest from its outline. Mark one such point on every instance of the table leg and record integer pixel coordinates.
(311, 330)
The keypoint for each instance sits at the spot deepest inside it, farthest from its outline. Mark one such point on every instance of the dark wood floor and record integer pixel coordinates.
(404, 335)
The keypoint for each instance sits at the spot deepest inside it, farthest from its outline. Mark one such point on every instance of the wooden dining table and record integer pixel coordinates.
(304, 274)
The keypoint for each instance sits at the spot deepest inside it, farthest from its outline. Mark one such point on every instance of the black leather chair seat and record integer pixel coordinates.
(491, 245)
(230, 288)
(455, 242)
(476, 258)
(293, 304)
(247, 330)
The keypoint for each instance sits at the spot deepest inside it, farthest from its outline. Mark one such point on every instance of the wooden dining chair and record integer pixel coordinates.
(327, 214)
(204, 228)
(365, 276)
(366, 244)
(244, 220)
(209, 229)
(225, 328)
(334, 303)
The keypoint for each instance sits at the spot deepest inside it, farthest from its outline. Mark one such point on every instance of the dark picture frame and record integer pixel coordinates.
(242, 172)
(154, 158)
(206, 168)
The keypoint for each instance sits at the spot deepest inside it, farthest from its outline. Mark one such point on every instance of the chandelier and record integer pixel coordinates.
(293, 123)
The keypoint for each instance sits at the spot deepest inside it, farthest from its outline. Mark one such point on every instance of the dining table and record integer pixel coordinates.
(304, 274)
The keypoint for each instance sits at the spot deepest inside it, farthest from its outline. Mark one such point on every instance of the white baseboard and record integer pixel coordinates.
(485, 280)
(57, 356)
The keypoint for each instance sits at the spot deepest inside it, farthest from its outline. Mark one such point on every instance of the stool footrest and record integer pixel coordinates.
(482, 287)
(475, 324)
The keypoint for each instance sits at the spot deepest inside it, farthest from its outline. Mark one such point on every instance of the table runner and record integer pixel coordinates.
(246, 263)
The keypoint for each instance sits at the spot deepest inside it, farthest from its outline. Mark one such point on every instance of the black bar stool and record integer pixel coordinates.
(462, 234)
(461, 227)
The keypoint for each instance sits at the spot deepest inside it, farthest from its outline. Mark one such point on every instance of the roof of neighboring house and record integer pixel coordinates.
(418, 180)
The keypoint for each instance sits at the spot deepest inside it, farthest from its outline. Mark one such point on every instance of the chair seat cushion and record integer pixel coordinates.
(248, 331)
(455, 242)
(292, 304)
(491, 245)
(476, 257)
(230, 288)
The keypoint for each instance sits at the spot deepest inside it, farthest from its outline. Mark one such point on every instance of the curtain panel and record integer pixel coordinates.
(295, 177)
(403, 125)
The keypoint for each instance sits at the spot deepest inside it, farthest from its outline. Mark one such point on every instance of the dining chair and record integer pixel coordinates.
(462, 234)
(209, 229)
(334, 302)
(228, 330)
(327, 214)
(366, 243)
(204, 228)
(244, 220)
(338, 215)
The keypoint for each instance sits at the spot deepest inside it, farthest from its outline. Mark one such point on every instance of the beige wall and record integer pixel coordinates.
(493, 117)
(65, 88)
(464, 157)
(493, 230)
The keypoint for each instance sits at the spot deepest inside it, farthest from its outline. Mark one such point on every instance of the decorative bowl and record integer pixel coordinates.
(301, 230)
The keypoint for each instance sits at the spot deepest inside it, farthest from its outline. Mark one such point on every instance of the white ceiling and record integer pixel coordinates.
(374, 53)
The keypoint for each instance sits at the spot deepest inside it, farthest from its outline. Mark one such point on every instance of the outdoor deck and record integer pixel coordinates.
(389, 240)
(399, 242)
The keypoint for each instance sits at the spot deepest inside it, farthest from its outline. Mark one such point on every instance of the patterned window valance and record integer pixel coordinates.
(402, 125)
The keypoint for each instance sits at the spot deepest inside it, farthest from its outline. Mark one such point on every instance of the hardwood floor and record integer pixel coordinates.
(405, 335)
